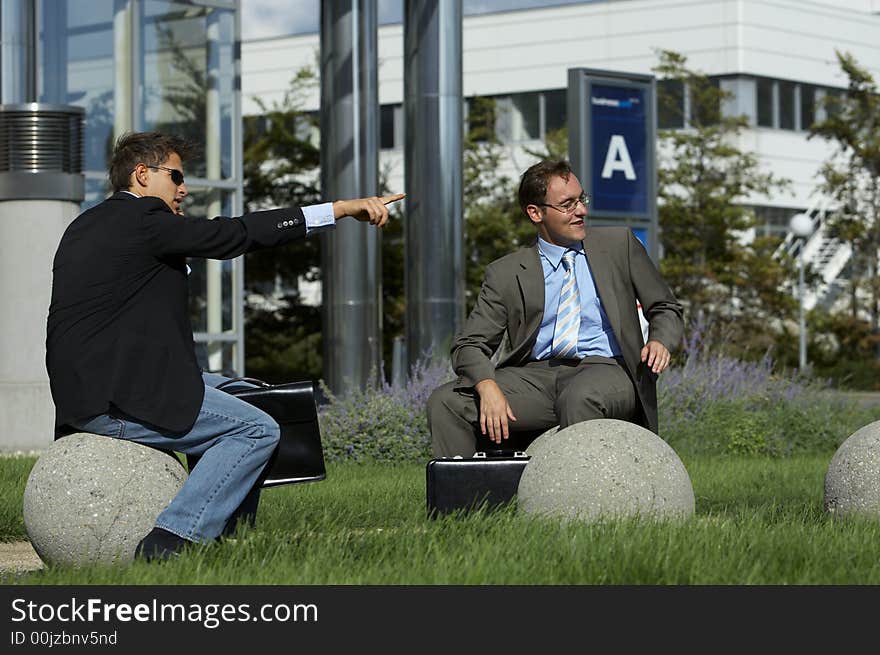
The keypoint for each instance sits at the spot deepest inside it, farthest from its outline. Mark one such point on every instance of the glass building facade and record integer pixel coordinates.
(139, 65)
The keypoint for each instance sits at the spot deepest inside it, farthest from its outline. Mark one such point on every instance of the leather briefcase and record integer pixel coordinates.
(299, 456)
(487, 480)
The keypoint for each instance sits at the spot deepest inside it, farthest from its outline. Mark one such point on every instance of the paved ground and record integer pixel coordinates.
(866, 398)
(18, 557)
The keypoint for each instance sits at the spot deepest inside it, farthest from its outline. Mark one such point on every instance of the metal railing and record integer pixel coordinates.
(820, 251)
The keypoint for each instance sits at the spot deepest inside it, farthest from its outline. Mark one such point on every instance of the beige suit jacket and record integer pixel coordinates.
(511, 302)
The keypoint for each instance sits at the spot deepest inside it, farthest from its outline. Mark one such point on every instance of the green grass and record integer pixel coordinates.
(758, 521)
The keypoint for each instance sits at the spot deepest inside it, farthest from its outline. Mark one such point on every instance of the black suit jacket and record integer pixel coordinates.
(118, 331)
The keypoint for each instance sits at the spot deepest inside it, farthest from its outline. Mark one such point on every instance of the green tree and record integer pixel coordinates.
(281, 168)
(722, 276)
(493, 227)
(393, 292)
(493, 222)
(851, 177)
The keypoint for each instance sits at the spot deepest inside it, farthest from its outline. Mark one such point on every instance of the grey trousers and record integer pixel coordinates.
(541, 394)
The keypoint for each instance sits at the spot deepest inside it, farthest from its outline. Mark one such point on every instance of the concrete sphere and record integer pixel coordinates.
(91, 499)
(852, 483)
(604, 468)
(541, 441)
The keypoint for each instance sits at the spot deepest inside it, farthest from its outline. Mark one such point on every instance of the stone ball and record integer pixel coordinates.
(852, 483)
(91, 499)
(604, 468)
(541, 440)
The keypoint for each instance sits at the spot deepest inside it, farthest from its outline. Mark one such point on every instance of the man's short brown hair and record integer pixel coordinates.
(149, 148)
(533, 183)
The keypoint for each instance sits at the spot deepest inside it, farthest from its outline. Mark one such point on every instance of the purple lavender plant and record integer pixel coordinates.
(716, 403)
(383, 422)
(708, 376)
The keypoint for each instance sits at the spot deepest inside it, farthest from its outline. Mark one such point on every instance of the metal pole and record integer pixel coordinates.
(123, 87)
(213, 121)
(802, 350)
(433, 232)
(350, 169)
(18, 54)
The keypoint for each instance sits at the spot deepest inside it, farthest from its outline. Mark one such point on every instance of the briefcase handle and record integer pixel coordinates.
(489, 454)
(254, 381)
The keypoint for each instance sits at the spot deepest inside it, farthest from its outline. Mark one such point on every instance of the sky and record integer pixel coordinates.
(270, 18)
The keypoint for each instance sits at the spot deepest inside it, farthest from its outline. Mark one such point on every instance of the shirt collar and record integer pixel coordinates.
(131, 193)
(553, 253)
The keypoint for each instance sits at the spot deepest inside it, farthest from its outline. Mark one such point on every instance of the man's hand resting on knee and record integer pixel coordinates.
(656, 356)
(494, 410)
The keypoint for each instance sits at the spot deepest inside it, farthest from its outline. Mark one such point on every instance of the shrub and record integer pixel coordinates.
(711, 404)
(715, 404)
(384, 422)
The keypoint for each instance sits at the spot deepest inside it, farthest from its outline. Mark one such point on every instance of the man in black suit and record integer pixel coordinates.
(119, 342)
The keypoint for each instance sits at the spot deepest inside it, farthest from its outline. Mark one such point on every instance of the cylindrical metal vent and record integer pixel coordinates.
(41, 152)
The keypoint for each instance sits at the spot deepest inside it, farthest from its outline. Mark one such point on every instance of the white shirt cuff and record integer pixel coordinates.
(319, 217)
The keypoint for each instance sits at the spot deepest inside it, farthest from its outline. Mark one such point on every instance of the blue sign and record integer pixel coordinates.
(619, 149)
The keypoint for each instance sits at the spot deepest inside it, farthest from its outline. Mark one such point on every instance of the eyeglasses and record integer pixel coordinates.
(176, 175)
(570, 206)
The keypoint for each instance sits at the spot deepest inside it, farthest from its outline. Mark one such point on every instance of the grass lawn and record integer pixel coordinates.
(757, 521)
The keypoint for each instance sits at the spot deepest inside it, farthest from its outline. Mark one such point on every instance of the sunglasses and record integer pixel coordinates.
(176, 175)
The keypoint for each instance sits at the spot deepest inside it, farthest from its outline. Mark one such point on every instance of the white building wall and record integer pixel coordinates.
(530, 50)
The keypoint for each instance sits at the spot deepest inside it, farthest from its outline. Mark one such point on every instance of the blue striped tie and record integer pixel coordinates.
(568, 315)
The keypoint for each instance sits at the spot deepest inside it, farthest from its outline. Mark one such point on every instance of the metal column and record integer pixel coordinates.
(349, 169)
(213, 152)
(18, 55)
(433, 231)
(124, 84)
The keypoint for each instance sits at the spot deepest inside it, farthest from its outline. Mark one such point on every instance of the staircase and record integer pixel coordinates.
(821, 252)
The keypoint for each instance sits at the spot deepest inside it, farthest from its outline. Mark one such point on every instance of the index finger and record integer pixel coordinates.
(393, 198)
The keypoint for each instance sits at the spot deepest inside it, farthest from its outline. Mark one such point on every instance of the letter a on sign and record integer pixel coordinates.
(618, 159)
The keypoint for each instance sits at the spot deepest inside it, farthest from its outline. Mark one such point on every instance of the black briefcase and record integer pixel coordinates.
(487, 480)
(299, 456)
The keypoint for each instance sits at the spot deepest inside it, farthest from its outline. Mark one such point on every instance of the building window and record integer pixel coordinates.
(188, 79)
(808, 106)
(391, 127)
(480, 116)
(780, 104)
(706, 113)
(517, 117)
(832, 101)
(786, 105)
(773, 221)
(386, 127)
(740, 99)
(765, 103)
(670, 104)
(554, 110)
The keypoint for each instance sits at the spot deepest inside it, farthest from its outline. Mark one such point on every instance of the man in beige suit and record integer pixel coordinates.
(568, 305)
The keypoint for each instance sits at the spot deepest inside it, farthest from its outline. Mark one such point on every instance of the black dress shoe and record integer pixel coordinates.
(159, 545)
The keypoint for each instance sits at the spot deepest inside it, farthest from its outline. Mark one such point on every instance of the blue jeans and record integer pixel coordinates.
(234, 440)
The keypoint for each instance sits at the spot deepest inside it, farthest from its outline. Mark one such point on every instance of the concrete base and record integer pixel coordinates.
(29, 231)
(27, 416)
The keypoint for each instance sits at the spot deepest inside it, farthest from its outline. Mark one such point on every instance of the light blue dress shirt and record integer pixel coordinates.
(318, 217)
(595, 336)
